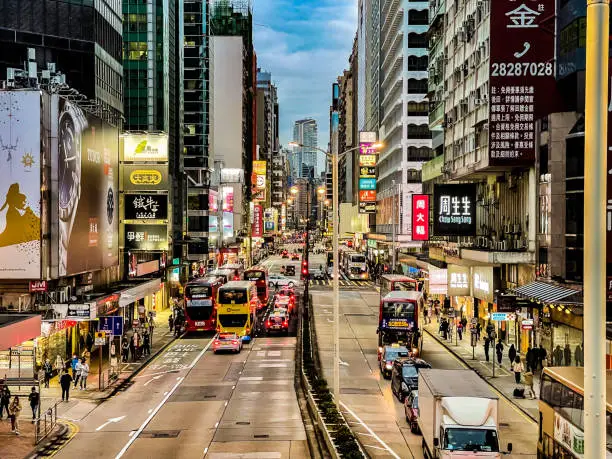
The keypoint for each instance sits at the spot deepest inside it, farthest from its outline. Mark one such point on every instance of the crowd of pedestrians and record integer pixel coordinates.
(12, 407)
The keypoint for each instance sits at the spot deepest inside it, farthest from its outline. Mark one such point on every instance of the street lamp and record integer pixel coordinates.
(335, 158)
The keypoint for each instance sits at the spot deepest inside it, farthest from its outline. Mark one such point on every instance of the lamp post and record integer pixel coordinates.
(335, 273)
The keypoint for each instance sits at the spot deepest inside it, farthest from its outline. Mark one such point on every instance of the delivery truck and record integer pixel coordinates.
(457, 415)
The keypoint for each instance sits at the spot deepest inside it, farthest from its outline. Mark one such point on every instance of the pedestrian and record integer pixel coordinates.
(578, 355)
(5, 400)
(73, 365)
(487, 344)
(84, 374)
(542, 356)
(48, 370)
(478, 330)
(512, 354)
(125, 349)
(137, 344)
(567, 355)
(14, 412)
(79, 367)
(535, 352)
(89, 342)
(499, 351)
(132, 348)
(528, 358)
(517, 368)
(34, 399)
(171, 323)
(558, 356)
(460, 330)
(65, 381)
(146, 343)
(490, 329)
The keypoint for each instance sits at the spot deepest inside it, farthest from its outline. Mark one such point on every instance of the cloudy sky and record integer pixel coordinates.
(306, 45)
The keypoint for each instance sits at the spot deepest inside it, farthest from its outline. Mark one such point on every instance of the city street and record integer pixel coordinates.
(375, 413)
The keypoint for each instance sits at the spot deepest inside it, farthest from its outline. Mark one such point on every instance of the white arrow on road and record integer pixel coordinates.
(110, 420)
(151, 380)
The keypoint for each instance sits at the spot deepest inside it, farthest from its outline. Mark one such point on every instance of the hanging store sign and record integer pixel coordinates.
(259, 181)
(146, 207)
(146, 237)
(482, 283)
(144, 147)
(38, 286)
(367, 161)
(367, 183)
(258, 226)
(149, 177)
(458, 278)
(228, 199)
(522, 77)
(283, 217)
(81, 312)
(367, 172)
(420, 217)
(455, 210)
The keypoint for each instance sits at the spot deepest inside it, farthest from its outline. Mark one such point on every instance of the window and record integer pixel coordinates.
(418, 17)
(419, 132)
(233, 320)
(417, 63)
(416, 40)
(544, 210)
(417, 86)
(233, 296)
(136, 50)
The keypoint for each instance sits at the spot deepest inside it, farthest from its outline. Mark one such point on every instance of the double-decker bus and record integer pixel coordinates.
(259, 275)
(200, 304)
(397, 282)
(237, 304)
(236, 269)
(355, 266)
(226, 275)
(398, 320)
(561, 406)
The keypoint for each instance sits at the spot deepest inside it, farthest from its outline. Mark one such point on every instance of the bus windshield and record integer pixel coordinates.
(471, 440)
(233, 296)
(357, 259)
(404, 286)
(398, 310)
(233, 320)
(254, 275)
(199, 291)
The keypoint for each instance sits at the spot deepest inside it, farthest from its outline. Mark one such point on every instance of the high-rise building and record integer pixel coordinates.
(267, 135)
(83, 40)
(305, 132)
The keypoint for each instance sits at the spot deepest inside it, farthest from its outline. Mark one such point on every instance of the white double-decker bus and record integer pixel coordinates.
(354, 265)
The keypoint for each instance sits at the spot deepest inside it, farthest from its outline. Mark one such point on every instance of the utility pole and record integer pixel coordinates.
(393, 228)
(595, 170)
(336, 280)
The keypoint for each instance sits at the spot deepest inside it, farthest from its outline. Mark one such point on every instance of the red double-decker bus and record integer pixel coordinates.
(398, 320)
(201, 304)
(259, 275)
(397, 283)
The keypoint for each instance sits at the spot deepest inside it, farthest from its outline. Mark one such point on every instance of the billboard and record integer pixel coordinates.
(522, 78)
(259, 180)
(145, 177)
(146, 237)
(88, 185)
(367, 173)
(455, 210)
(420, 217)
(228, 199)
(20, 153)
(228, 224)
(258, 226)
(144, 147)
(146, 207)
(283, 217)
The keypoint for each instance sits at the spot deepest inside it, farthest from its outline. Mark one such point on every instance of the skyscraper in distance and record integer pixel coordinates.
(305, 132)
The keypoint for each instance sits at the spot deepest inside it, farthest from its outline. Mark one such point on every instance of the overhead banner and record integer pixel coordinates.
(455, 210)
(521, 77)
(88, 185)
(420, 217)
(259, 181)
(146, 207)
(144, 147)
(367, 173)
(258, 225)
(20, 153)
(145, 177)
(146, 237)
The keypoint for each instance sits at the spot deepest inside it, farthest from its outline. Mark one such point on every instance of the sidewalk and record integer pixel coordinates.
(12, 446)
(503, 381)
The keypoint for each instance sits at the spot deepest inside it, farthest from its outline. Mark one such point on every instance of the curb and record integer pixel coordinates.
(525, 412)
(53, 439)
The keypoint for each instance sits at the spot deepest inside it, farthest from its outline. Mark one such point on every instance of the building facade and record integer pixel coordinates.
(305, 132)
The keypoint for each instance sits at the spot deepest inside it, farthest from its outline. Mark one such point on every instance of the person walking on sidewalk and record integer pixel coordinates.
(48, 370)
(487, 344)
(132, 348)
(171, 323)
(499, 350)
(79, 368)
(512, 354)
(478, 330)
(529, 359)
(146, 343)
(567, 355)
(125, 349)
(517, 368)
(578, 355)
(14, 412)
(34, 399)
(84, 374)
(73, 364)
(65, 381)
(5, 401)
(558, 356)
(542, 356)
(460, 330)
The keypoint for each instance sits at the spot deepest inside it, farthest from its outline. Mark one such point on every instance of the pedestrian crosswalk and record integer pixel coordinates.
(343, 283)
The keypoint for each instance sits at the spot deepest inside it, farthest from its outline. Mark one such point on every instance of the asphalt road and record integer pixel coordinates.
(375, 413)
(191, 403)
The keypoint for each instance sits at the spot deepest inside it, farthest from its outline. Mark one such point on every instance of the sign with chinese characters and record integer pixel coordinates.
(258, 226)
(367, 183)
(455, 210)
(259, 181)
(482, 283)
(609, 189)
(367, 195)
(522, 77)
(569, 436)
(145, 177)
(420, 217)
(81, 312)
(284, 217)
(146, 207)
(367, 172)
(228, 224)
(144, 147)
(368, 161)
(146, 237)
(458, 278)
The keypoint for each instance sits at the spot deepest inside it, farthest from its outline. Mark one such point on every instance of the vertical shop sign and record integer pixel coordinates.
(522, 77)
(257, 221)
(420, 217)
(259, 180)
(367, 172)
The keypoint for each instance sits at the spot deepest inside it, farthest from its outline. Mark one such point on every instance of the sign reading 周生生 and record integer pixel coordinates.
(455, 210)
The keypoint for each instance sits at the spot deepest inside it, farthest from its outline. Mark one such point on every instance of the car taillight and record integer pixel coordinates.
(267, 323)
(217, 341)
(234, 341)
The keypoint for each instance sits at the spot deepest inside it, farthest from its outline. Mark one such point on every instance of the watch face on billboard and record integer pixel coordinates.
(455, 210)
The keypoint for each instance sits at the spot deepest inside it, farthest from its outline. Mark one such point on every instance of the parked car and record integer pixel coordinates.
(405, 376)
(411, 410)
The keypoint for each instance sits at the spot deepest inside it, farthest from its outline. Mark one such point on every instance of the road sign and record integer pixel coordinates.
(499, 316)
(100, 338)
(112, 325)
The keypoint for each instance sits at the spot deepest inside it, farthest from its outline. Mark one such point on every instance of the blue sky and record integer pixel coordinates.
(306, 45)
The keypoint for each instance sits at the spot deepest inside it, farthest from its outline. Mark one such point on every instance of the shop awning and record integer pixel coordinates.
(15, 329)
(544, 292)
(133, 294)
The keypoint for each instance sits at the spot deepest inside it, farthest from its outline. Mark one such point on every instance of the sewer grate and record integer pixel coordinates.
(160, 434)
(261, 436)
(243, 423)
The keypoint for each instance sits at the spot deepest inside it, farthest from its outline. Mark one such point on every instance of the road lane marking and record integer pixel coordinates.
(372, 446)
(110, 420)
(365, 426)
(255, 455)
(159, 406)
(273, 365)
(153, 379)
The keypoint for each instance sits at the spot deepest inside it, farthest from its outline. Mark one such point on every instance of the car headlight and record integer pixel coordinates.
(388, 366)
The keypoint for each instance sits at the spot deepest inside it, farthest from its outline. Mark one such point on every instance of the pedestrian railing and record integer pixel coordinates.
(108, 378)
(45, 423)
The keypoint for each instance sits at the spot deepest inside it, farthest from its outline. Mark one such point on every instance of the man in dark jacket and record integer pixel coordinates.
(65, 381)
(487, 344)
(34, 399)
(499, 350)
(541, 356)
(5, 401)
(48, 370)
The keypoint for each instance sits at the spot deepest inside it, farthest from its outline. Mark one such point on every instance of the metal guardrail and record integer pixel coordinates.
(45, 423)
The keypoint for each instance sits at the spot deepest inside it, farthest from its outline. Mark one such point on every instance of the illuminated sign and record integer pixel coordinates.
(420, 217)
(258, 226)
(146, 207)
(367, 195)
(367, 183)
(145, 147)
(259, 181)
(367, 160)
(455, 210)
(140, 177)
(228, 199)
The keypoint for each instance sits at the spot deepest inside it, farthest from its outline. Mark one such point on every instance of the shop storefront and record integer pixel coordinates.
(436, 284)
(562, 335)
(484, 285)
(137, 302)
(18, 345)
(459, 289)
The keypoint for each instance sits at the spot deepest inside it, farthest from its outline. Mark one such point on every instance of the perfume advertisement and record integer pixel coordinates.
(88, 191)
(20, 135)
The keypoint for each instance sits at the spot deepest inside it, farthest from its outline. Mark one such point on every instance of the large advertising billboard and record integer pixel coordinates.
(144, 147)
(146, 237)
(259, 180)
(146, 207)
(87, 191)
(20, 144)
(522, 78)
(455, 210)
(145, 177)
